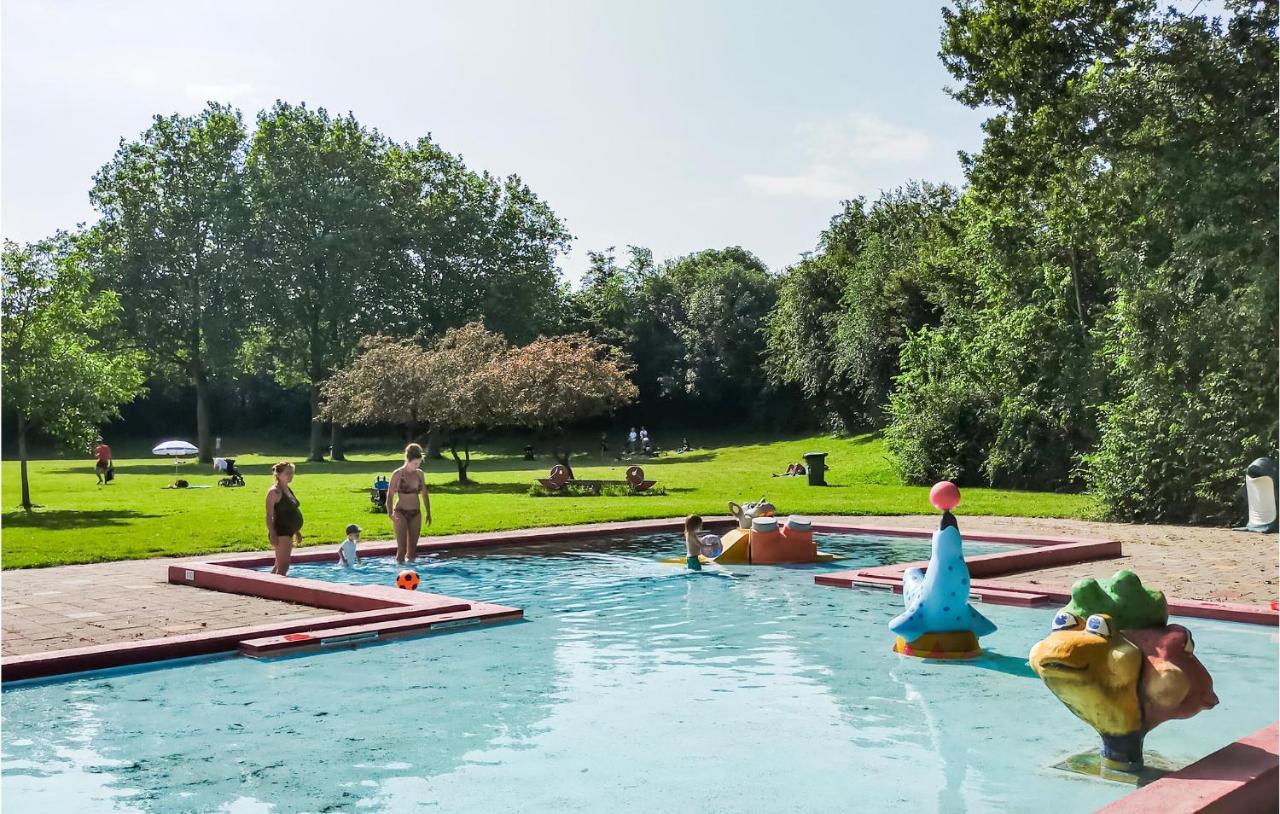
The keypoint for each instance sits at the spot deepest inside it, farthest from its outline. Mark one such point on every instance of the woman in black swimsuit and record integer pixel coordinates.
(403, 508)
(284, 518)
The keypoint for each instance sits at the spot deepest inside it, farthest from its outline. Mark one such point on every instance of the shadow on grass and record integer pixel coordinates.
(192, 469)
(475, 488)
(61, 519)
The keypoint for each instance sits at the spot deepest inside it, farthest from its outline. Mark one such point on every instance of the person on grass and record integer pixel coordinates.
(103, 465)
(284, 517)
(406, 513)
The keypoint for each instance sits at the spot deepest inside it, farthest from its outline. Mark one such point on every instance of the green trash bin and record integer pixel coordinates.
(815, 463)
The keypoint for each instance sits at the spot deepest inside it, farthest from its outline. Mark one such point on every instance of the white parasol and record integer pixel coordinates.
(175, 450)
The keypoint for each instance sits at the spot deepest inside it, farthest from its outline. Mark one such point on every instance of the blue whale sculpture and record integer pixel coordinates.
(937, 598)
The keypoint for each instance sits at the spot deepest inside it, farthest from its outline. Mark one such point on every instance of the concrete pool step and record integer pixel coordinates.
(429, 620)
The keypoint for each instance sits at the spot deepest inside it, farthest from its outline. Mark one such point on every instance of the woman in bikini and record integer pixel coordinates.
(284, 518)
(403, 508)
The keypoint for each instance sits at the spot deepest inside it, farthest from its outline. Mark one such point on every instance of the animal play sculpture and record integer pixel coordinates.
(761, 539)
(939, 623)
(1118, 665)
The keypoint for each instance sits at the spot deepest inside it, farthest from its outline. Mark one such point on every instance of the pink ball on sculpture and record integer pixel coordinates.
(944, 495)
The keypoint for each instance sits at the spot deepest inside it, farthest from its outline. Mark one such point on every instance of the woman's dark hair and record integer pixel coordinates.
(413, 452)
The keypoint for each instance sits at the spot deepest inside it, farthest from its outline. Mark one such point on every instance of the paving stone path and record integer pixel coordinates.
(79, 605)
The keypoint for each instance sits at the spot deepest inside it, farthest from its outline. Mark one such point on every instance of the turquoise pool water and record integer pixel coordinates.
(633, 686)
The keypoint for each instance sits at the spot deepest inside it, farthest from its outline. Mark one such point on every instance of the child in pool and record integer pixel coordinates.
(696, 543)
(347, 555)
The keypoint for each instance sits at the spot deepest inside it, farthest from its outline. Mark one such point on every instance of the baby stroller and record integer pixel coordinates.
(233, 476)
(378, 494)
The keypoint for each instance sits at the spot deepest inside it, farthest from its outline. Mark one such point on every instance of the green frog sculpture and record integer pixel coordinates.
(1115, 661)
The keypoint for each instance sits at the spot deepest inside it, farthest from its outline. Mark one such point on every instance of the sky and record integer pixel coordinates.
(679, 126)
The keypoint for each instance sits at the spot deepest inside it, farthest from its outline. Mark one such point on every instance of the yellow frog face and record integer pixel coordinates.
(1092, 669)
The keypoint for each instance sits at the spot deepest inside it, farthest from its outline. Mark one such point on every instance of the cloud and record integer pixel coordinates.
(213, 92)
(840, 155)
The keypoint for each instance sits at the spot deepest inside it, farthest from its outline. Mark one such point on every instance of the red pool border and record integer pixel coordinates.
(1040, 552)
(378, 609)
(1240, 777)
(362, 610)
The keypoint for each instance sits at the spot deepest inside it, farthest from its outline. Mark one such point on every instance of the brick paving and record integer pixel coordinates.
(1187, 562)
(45, 609)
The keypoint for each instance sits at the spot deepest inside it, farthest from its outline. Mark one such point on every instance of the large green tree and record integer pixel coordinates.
(1119, 232)
(323, 234)
(174, 220)
(693, 326)
(472, 246)
(1191, 338)
(59, 377)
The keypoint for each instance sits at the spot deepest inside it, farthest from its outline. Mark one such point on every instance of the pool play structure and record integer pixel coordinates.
(939, 622)
(1115, 661)
(561, 711)
(760, 538)
(1262, 491)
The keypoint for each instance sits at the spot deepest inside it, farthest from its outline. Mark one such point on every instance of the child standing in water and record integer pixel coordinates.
(697, 544)
(347, 555)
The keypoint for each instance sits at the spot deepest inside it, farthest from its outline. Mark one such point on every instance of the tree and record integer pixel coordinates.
(1119, 243)
(801, 342)
(555, 382)
(322, 227)
(473, 246)
(385, 383)
(470, 380)
(174, 219)
(607, 300)
(461, 386)
(59, 377)
(1190, 341)
(882, 272)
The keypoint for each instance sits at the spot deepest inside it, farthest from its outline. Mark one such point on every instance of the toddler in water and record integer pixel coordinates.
(698, 544)
(347, 555)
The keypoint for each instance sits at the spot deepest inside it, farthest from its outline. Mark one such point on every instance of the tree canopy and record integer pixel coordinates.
(60, 377)
(470, 380)
(174, 219)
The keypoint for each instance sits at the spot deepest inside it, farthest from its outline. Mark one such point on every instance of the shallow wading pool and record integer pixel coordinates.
(632, 686)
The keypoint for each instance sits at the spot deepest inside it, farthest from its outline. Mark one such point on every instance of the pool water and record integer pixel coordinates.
(632, 686)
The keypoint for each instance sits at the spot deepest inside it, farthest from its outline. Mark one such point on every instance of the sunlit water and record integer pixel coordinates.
(633, 686)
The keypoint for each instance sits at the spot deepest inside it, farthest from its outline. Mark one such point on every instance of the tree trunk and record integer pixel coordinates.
(203, 436)
(317, 427)
(435, 439)
(335, 443)
(462, 463)
(1075, 286)
(22, 456)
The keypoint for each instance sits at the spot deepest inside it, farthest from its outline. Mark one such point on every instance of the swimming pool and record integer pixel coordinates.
(633, 686)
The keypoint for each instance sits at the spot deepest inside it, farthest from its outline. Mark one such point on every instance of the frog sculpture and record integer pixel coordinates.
(1115, 661)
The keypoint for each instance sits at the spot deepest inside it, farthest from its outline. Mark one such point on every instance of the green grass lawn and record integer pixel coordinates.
(78, 521)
